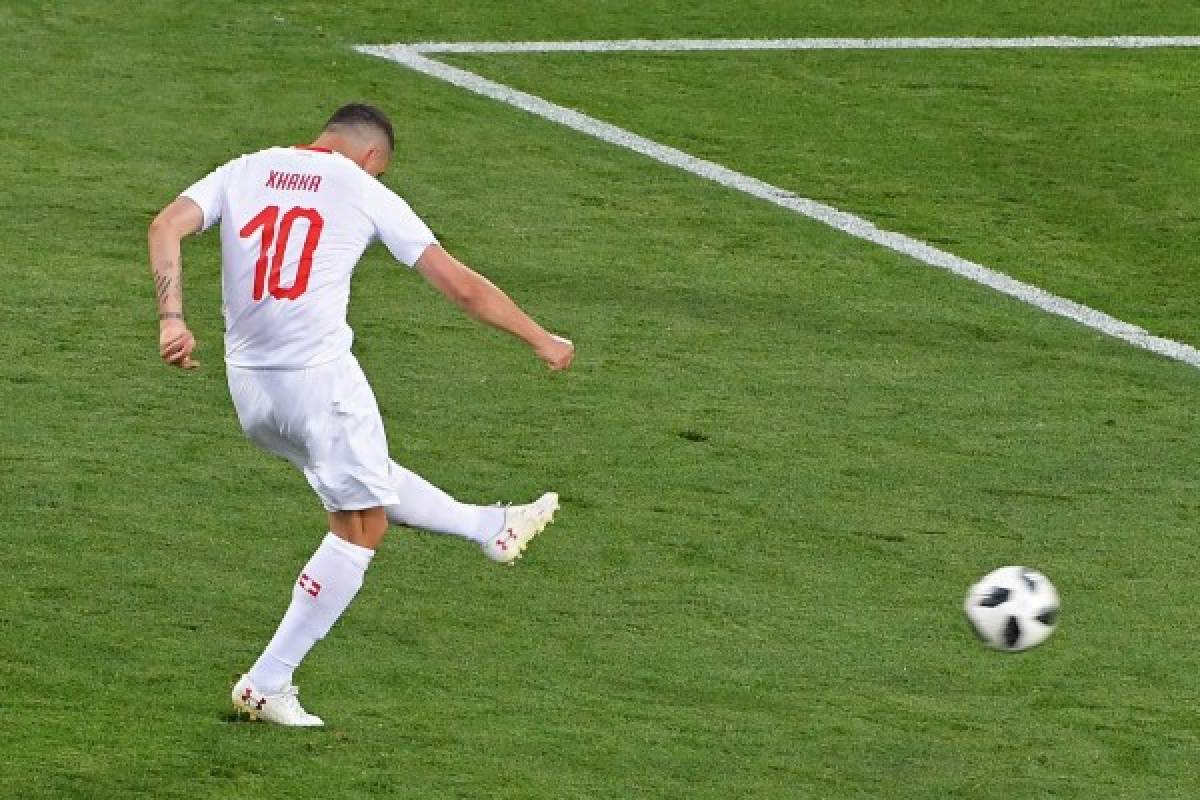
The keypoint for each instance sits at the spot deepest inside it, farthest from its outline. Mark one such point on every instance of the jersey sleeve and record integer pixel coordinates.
(208, 192)
(397, 225)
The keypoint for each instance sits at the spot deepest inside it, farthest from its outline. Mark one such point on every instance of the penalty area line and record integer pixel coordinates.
(896, 43)
(843, 221)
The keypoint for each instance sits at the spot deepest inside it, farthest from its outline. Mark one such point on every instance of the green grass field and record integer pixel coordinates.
(783, 453)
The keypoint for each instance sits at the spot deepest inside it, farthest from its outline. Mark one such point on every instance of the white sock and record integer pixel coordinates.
(327, 584)
(423, 505)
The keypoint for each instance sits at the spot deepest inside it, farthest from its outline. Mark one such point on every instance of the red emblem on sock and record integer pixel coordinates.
(309, 585)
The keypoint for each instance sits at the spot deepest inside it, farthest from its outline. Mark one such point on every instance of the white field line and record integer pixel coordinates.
(840, 220)
(911, 43)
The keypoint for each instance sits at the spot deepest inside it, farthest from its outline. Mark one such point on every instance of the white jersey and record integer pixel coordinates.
(294, 222)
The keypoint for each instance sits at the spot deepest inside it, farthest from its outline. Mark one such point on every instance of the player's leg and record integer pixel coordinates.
(502, 532)
(328, 419)
(425, 506)
(327, 585)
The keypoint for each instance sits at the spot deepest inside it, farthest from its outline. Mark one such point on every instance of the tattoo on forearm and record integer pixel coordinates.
(168, 285)
(163, 283)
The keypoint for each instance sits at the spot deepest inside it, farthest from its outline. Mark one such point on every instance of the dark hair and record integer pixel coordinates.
(361, 114)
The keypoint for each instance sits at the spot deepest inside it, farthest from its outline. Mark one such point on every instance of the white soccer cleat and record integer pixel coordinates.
(521, 524)
(283, 708)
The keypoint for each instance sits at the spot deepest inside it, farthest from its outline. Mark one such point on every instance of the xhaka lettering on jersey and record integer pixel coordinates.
(298, 181)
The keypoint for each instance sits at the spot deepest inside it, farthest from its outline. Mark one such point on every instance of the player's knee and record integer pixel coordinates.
(363, 527)
(374, 522)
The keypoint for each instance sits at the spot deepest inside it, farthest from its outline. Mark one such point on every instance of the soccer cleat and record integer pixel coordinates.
(521, 524)
(283, 708)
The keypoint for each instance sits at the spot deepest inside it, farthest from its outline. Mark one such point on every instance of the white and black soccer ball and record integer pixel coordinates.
(1012, 608)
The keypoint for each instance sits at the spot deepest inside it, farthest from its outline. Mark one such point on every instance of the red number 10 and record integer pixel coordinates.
(266, 220)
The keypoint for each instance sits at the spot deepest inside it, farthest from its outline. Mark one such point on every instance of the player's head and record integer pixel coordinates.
(365, 135)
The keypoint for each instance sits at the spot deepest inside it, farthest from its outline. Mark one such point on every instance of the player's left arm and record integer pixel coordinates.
(179, 219)
(487, 303)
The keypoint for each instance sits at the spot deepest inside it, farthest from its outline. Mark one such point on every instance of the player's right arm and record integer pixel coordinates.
(179, 219)
(480, 298)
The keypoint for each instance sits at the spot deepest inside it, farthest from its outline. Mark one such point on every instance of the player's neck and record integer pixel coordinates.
(331, 141)
(361, 152)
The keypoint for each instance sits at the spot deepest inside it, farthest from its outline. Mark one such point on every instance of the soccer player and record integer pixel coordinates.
(294, 223)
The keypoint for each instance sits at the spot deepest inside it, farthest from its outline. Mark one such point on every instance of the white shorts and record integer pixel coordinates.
(325, 421)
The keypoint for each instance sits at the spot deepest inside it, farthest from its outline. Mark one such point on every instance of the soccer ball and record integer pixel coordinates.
(1012, 608)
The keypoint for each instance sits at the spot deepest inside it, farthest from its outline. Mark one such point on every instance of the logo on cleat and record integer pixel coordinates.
(247, 700)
